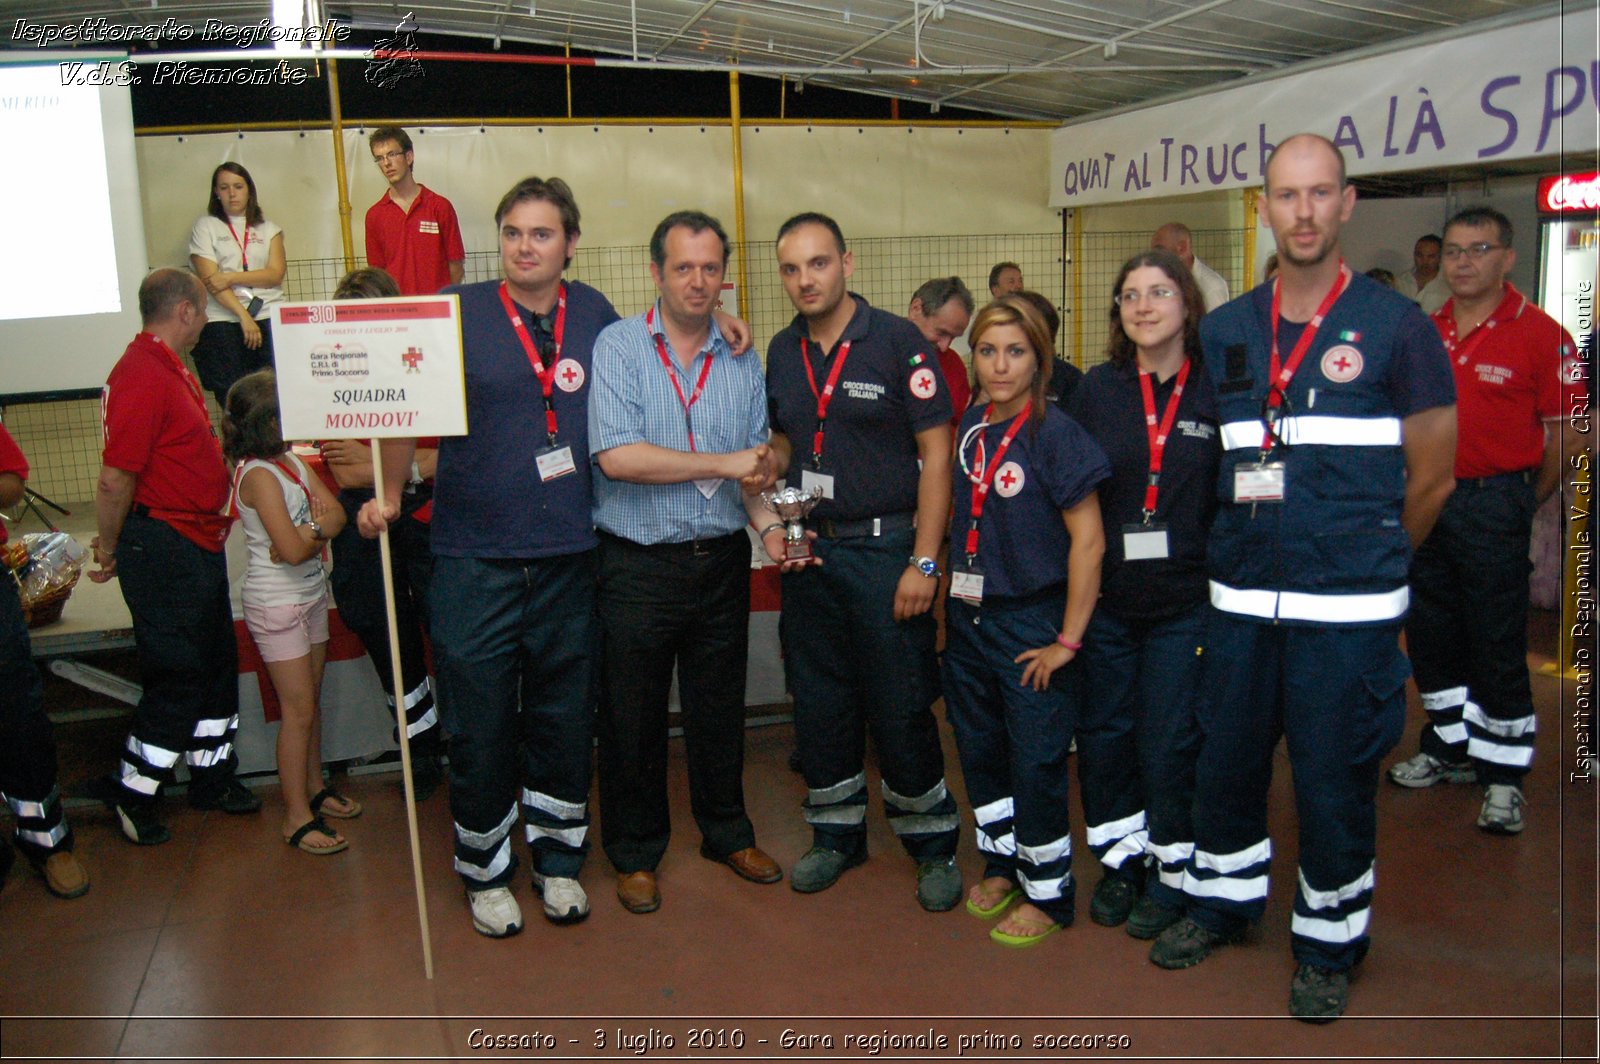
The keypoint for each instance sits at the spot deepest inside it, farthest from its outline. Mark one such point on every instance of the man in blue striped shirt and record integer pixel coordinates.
(678, 430)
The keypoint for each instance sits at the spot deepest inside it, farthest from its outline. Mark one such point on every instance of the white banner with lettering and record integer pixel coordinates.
(370, 368)
(1518, 92)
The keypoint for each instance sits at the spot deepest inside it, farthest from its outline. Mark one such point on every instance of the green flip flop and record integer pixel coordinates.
(998, 907)
(1022, 941)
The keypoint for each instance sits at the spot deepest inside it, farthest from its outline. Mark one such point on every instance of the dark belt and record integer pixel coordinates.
(828, 528)
(1499, 480)
(689, 548)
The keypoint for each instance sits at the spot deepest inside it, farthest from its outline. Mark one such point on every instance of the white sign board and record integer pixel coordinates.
(1520, 92)
(370, 368)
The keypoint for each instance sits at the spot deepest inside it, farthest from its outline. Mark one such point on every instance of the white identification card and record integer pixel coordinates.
(1142, 542)
(709, 487)
(1258, 483)
(554, 462)
(967, 585)
(810, 480)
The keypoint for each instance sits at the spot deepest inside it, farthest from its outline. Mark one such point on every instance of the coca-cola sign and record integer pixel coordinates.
(1570, 193)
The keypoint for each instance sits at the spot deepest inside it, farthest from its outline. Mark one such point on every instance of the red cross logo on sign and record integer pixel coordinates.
(923, 384)
(569, 375)
(1008, 480)
(1342, 364)
(412, 358)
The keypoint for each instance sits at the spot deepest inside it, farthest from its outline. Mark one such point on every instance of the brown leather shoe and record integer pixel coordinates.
(64, 876)
(638, 893)
(750, 863)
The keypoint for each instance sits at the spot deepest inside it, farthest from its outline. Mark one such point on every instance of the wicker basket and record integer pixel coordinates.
(46, 609)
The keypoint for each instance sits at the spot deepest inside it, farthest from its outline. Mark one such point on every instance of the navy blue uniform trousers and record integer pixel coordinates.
(1337, 696)
(357, 582)
(177, 594)
(27, 742)
(1013, 743)
(851, 667)
(1468, 629)
(515, 642)
(1137, 744)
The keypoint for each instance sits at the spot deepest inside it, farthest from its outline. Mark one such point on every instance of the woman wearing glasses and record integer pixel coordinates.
(239, 256)
(1155, 416)
(1025, 569)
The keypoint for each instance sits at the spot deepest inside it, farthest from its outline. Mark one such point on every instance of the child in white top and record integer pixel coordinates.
(288, 515)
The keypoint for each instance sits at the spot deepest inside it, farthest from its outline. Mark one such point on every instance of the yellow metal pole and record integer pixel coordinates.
(569, 80)
(1250, 195)
(1077, 286)
(341, 177)
(738, 194)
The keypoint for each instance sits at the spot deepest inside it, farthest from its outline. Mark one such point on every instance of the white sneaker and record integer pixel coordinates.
(564, 899)
(1424, 770)
(495, 912)
(1502, 809)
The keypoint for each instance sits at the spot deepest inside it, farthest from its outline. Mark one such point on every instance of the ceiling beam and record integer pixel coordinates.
(688, 25)
(1101, 45)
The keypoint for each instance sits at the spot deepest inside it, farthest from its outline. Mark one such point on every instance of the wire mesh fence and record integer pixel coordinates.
(62, 439)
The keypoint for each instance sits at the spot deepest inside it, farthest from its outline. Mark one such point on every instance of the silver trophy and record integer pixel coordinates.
(792, 505)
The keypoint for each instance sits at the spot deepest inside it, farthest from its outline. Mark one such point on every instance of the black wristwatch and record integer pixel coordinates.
(926, 566)
(316, 530)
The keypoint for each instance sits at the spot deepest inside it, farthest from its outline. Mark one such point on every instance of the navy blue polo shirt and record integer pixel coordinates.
(488, 499)
(890, 389)
(1064, 381)
(1110, 407)
(1023, 544)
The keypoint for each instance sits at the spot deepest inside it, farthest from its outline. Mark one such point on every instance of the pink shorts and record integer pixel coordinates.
(283, 633)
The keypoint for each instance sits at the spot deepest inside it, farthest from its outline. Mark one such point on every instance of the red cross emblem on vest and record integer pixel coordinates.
(1342, 364)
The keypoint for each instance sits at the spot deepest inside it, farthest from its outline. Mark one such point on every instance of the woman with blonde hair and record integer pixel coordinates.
(1025, 571)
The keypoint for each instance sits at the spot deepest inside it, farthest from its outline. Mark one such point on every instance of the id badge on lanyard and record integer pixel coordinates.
(554, 462)
(966, 584)
(813, 479)
(1259, 482)
(1144, 542)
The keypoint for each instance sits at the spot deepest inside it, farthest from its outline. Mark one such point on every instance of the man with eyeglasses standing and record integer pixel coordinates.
(412, 231)
(1338, 431)
(413, 235)
(1467, 632)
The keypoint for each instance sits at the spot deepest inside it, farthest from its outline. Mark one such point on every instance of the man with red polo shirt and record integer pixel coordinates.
(158, 506)
(27, 745)
(1467, 632)
(941, 309)
(412, 230)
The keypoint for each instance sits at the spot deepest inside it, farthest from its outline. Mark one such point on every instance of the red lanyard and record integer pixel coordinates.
(188, 380)
(238, 478)
(244, 254)
(672, 374)
(1158, 436)
(292, 475)
(986, 472)
(824, 397)
(1282, 374)
(546, 375)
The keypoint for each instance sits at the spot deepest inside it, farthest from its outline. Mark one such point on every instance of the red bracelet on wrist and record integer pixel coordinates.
(1069, 644)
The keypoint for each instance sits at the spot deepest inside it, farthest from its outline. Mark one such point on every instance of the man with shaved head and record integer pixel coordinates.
(1176, 238)
(1338, 434)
